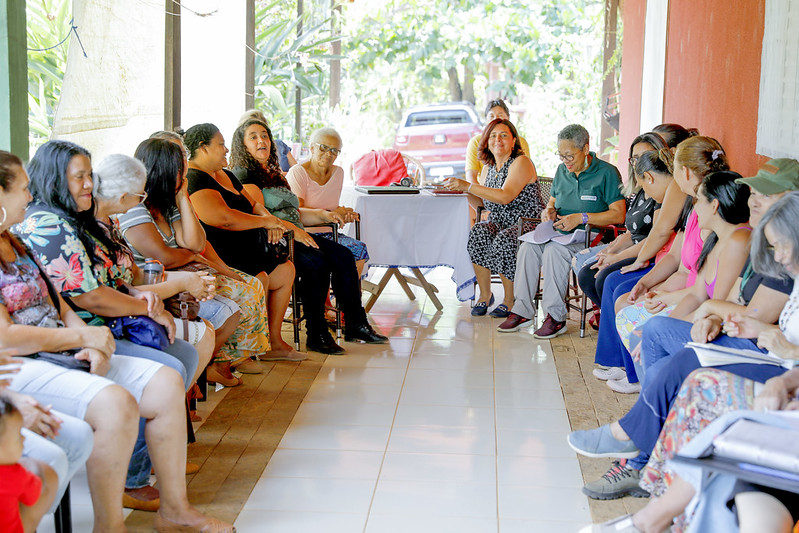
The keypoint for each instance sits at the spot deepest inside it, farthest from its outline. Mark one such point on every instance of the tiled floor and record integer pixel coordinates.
(452, 426)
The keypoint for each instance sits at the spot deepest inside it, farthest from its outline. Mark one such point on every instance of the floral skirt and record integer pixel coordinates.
(705, 395)
(632, 318)
(251, 337)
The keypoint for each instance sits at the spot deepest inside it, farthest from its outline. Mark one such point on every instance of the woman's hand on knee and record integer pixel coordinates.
(100, 362)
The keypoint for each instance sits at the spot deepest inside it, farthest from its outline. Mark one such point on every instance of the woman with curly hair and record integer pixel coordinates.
(320, 262)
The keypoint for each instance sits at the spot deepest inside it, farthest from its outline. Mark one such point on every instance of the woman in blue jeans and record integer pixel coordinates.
(651, 168)
(634, 435)
(95, 273)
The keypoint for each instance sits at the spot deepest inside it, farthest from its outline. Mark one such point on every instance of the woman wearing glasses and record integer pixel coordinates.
(320, 262)
(317, 184)
(585, 189)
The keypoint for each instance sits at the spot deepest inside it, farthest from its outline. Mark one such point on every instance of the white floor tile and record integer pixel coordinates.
(533, 444)
(373, 376)
(344, 414)
(543, 503)
(335, 464)
(258, 521)
(439, 467)
(445, 416)
(452, 362)
(454, 347)
(526, 381)
(371, 360)
(539, 471)
(392, 523)
(530, 398)
(529, 526)
(425, 377)
(325, 391)
(470, 397)
(554, 420)
(358, 438)
(435, 498)
(312, 494)
(442, 440)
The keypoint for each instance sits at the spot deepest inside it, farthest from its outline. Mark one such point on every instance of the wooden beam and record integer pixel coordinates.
(13, 79)
(249, 68)
(298, 91)
(172, 51)
(609, 81)
(335, 64)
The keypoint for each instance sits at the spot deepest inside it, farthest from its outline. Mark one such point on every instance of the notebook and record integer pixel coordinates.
(390, 189)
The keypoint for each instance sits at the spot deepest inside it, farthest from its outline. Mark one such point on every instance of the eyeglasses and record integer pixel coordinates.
(325, 149)
(633, 160)
(566, 158)
(143, 196)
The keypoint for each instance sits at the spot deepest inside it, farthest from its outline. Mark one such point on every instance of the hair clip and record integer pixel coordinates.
(716, 153)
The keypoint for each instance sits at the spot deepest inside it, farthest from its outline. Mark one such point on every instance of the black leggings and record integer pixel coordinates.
(592, 286)
(318, 269)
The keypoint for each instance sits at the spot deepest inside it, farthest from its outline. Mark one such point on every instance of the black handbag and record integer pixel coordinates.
(64, 359)
(141, 330)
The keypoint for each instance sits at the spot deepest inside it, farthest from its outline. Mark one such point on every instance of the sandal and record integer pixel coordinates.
(500, 311)
(214, 375)
(481, 308)
(594, 321)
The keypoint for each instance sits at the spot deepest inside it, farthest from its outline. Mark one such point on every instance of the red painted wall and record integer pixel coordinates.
(632, 64)
(713, 73)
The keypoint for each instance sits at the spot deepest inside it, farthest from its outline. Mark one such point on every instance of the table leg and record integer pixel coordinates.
(378, 290)
(403, 281)
(428, 287)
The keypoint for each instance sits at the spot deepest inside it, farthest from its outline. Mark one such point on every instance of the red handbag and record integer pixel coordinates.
(380, 167)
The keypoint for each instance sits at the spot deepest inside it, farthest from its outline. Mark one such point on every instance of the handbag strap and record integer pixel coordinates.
(50, 288)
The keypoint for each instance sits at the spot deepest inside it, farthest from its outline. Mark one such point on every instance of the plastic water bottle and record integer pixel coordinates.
(153, 271)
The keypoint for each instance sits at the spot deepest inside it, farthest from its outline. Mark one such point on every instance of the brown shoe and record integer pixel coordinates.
(220, 373)
(192, 468)
(146, 498)
(550, 329)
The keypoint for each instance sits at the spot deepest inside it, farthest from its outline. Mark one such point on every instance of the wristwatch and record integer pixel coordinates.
(585, 218)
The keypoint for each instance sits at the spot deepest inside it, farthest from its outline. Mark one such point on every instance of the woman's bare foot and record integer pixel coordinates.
(283, 355)
(190, 520)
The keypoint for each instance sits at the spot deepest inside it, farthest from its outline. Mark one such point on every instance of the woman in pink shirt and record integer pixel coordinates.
(317, 183)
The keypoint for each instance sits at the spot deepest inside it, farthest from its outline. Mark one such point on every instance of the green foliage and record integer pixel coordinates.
(548, 55)
(285, 61)
(47, 25)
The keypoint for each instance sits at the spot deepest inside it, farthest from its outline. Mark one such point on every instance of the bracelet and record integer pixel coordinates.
(585, 218)
(469, 189)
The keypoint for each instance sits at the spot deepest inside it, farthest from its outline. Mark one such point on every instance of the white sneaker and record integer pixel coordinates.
(606, 373)
(623, 386)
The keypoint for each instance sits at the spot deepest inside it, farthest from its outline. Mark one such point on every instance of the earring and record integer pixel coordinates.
(5, 215)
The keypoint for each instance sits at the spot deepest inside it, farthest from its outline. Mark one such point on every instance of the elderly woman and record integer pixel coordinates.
(244, 236)
(504, 189)
(317, 183)
(35, 318)
(320, 261)
(585, 190)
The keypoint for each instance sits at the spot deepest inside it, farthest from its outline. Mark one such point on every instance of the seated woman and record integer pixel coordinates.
(505, 189)
(594, 264)
(635, 434)
(166, 228)
(95, 272)
(106, 397)
(585, 190)
(317, 184)
(320, 262)
(495, 109)
(244, 237)
(284, 156)
(694, 158)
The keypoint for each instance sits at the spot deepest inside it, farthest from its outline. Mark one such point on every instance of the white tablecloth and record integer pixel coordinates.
(415, 230)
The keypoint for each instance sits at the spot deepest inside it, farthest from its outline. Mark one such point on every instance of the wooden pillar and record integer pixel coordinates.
(249, 68)
(172, 66)
(609, 80)
(298, 91)
(335, 64)
(13, 79)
